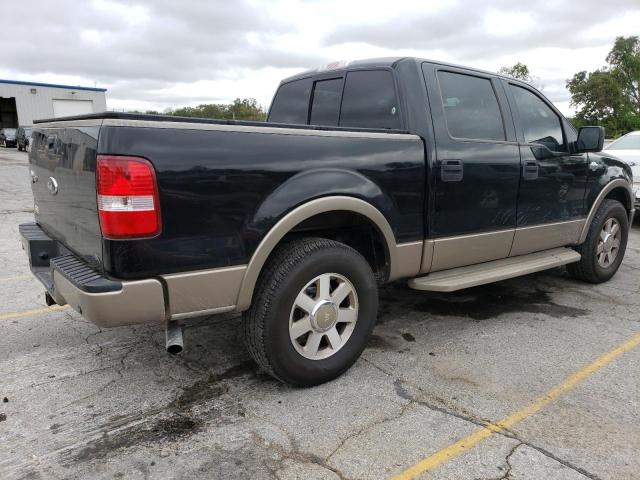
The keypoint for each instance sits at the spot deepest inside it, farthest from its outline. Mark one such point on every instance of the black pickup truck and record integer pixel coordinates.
(365, 173)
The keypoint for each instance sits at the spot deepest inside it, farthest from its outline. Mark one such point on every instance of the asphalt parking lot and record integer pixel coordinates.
(532, 378)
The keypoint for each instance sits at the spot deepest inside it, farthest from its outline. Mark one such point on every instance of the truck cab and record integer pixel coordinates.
(505, 175)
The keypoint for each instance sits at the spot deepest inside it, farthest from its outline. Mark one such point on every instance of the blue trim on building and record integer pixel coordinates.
(52, 85)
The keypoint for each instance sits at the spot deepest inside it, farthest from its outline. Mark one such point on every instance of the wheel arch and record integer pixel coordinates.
(403, 259)
(618, 189)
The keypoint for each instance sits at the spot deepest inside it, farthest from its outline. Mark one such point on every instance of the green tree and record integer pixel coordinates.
(610, 96)
(240, 109)
(246, 109)
(518, 71)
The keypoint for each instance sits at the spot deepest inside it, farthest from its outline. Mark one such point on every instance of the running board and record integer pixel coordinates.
(488, 272)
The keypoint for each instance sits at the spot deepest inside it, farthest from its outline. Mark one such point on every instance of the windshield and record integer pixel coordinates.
(27, 132)
(628, 142)
(9, 131)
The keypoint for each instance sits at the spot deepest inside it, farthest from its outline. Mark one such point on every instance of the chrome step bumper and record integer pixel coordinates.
(101, 300)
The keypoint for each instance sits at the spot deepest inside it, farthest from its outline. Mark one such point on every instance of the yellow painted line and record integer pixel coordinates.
(16, 278)
(34, 311)
(455, 449)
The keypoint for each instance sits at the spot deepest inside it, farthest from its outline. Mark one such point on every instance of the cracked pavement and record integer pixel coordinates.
(88, 403)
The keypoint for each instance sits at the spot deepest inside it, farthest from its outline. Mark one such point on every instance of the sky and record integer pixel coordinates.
(159, 54)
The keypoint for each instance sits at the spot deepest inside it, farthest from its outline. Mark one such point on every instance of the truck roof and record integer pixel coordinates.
(339, 66)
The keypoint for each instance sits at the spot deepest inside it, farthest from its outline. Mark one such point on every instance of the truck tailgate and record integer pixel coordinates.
(62, 166)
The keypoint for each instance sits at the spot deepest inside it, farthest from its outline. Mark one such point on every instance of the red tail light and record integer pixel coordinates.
(128, 203)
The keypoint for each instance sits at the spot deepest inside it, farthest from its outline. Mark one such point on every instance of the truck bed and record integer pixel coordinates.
(211, 121)
(222, 184)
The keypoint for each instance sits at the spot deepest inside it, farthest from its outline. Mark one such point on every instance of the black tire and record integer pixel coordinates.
(266, 324)
(588, 269)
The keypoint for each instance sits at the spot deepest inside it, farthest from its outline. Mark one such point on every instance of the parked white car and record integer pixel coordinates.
(627, 148)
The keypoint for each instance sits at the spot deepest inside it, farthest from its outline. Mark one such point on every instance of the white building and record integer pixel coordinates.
(23, 102)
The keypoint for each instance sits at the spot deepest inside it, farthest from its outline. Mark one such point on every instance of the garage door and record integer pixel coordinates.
(66, 108)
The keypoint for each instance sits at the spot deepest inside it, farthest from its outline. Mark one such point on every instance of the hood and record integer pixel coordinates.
(10, 136)
(631, 158)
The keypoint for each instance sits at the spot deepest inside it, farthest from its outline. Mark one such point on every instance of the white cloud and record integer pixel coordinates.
(162, 53)
(507, 24)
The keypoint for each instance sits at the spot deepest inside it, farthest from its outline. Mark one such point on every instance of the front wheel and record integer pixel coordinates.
(314, 308)
(603, 250)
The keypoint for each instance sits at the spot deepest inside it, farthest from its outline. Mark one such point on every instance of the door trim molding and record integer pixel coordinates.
(544, 236)
(463, 250)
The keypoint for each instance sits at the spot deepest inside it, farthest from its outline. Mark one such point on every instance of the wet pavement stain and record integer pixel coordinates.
(408, 337)
(163, 429)
(212, 386)
(483, 303)
(168, 424)
(55, 428)
(380, 343)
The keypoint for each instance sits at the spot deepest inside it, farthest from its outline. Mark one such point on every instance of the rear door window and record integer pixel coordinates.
(291, 103)
(539, 122)
(470, 107)
(369, 100)
(326, 102)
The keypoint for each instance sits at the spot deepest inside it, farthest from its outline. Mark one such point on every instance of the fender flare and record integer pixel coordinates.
(608, 188)
(398, 257)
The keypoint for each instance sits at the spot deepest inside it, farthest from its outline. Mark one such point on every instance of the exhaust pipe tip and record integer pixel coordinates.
(175, 343)
(49, 300)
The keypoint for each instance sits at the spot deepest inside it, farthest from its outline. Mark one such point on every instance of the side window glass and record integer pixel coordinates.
(470, 107)
(291, 103)
(540, 124)
(369, 100)
(326, 102)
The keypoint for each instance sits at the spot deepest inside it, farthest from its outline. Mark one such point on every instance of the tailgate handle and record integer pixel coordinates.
(451, 170)
(530, 170)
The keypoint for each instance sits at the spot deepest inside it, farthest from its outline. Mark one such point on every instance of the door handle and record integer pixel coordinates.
(451, 170)
(530, 170)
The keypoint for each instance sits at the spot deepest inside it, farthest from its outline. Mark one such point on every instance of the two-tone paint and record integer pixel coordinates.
(231, 191)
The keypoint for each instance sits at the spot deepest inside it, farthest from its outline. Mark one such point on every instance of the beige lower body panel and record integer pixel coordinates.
(203, 292)
(139, 301)
(455, 252)
(407, 260)
(543, 237)
(427, 256)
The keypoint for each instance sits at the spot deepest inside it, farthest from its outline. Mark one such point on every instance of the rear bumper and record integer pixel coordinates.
(103, 301)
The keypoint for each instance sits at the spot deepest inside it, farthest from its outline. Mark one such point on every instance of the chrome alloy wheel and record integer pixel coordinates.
(323, 316)
(608, 243)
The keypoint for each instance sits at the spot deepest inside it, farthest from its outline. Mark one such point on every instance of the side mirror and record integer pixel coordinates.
(590, 139)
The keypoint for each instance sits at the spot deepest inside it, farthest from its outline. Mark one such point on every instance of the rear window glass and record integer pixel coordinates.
(326, 102)
(369, 100)
(470, 107)
(291, 103)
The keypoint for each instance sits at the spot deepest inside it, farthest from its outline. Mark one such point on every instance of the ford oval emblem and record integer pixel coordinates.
(52, 185)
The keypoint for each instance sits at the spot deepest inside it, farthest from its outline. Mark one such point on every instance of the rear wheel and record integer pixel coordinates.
(313, 311)
(603, 250)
